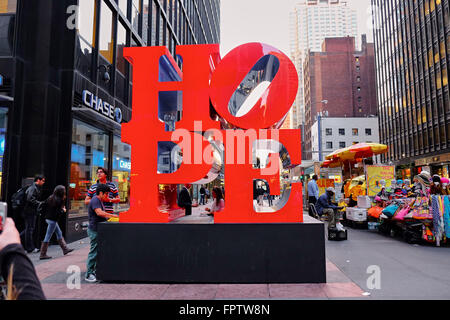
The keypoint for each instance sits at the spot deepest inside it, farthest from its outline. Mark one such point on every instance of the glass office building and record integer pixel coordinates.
(412, 39)
(67, 87)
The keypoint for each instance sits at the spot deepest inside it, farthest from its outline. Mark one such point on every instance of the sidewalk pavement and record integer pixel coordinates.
(59, 275)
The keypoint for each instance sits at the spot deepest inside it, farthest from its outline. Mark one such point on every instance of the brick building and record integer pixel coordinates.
(339, 82)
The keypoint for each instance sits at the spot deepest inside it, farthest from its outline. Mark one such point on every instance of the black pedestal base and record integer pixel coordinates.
(211, 253)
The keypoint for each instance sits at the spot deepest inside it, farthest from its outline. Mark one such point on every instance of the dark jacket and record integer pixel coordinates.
(53, 211)
(184, 198)
(24, 275)
(33, 196)
(202, 190)
(324, 202)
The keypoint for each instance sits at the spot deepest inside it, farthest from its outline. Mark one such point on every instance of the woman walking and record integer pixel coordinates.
(218, 202)
(54, 209)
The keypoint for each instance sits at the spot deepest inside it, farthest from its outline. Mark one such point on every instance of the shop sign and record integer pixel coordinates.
(435, 159)
(125, 164)
(374, 174)
(102, 107)
(207, 79)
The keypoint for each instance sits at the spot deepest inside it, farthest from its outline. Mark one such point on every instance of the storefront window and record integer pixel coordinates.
(121, 173)
(106, 44)
(89, 152)
(3, 122)
(8, 6)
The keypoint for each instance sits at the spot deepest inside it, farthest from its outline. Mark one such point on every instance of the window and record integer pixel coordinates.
(90, 149)
(358, 79)
(86, 36)
(145, 28)
(8, 6)
(342, 144)
(123, 6)
(359, 89)
(106, 44)
(121, 173)
(368, 132)
(329, 131)
(3, 127)
(121, 43)
(86, 21)
(342, 132)
(329, 145)
(135, 14)
(355, 131)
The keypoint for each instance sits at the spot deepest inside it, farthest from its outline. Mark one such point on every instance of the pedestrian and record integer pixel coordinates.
(445, 186)
(436, 187)
(24, 284)
(218, 202)
(30, 215)
(113, 197)
(313, 192)
(260, 193)
(54, 209)
(202, 195)
(184, 199)
(325, 205)
(97, 214)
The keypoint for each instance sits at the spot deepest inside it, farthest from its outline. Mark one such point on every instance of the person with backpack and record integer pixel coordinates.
(29, 213)
(184, 200)
(53, 208)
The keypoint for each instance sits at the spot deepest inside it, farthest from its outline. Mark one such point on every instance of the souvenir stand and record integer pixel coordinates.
(347, 158)
(414, 214)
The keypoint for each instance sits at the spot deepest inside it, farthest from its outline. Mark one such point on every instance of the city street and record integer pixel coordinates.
(408, 271)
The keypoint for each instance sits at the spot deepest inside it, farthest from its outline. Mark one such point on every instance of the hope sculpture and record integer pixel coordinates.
(205, 79)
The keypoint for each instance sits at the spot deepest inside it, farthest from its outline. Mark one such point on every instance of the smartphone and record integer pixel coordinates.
(3, 214)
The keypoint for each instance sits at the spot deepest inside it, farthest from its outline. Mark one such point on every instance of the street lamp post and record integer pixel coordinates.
(319, 128)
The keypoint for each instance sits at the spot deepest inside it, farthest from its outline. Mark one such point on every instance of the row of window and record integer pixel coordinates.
(355, 132)
(342, 144)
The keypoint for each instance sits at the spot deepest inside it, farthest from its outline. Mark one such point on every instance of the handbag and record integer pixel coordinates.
(375, 212)
(390, 210)
(400, 215)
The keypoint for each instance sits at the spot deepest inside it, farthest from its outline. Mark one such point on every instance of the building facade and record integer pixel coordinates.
(67, 88)
(331, 133)
(412, 41)
(310, 23)
(339, 82)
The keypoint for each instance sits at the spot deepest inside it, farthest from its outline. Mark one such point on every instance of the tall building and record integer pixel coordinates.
(412, 41)
(66, 88)
(312, 21)
(339, 82)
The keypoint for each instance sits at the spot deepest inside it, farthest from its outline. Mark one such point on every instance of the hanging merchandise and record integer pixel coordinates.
(437, 209)
(447, 216)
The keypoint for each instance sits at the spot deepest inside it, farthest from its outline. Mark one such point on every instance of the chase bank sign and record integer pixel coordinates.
(102, 107)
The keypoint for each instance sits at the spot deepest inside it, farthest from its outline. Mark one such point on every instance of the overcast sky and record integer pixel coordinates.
(267, 21)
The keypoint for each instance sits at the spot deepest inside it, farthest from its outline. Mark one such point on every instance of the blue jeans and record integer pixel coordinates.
(92, 256)
(51, 228)
(202, 199)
